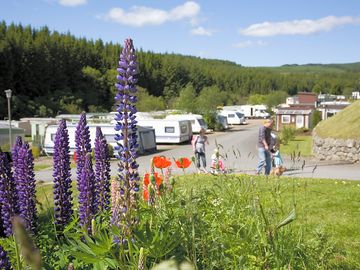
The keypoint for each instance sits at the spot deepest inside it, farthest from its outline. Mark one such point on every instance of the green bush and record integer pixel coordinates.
(316, 118)
(36, 151)
(287, 134)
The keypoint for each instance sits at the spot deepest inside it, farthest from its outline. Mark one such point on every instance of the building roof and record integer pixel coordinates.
(295, 110)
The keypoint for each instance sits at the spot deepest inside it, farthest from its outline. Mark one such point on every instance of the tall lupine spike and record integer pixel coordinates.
(14, 157)
(26, 187)
(4, 260)
(82, 143)
(128, 177)
(102, 171)
(87, 205)
(62, 178)
(7, 192)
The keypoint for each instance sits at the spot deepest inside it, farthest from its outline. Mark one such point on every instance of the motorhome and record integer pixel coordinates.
(196, 120)
(233, 117)
(250, 111)
(146, 137)
(169, 131)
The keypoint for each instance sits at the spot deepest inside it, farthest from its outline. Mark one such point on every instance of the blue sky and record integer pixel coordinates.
(250, 33)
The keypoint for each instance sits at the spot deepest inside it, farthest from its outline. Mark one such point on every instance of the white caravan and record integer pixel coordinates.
(169, 131)
(233, 117)
(222, 120)
(196, 120)
(146, 137)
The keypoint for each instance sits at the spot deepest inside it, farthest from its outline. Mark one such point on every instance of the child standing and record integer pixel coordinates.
(278, 162)
(199, 150)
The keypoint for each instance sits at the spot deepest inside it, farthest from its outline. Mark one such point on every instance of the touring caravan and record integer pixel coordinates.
(233, 117)
(169, 131)
(222, 120)
(196, 120)
(146, 137)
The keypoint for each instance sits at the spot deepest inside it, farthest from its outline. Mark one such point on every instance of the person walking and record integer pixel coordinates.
(264, 144)
(199, 150)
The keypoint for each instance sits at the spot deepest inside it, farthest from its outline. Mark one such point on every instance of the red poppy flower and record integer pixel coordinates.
(183, 163)
(161, 162)
(158, 179)
(145, 194)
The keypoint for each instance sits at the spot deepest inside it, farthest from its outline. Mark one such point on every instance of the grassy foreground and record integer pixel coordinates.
(236, 221)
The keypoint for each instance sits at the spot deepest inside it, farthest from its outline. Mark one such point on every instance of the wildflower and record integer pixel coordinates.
(7, 192)
(25, 186)
(102, 171)
(152, 182)
(62, 178)
(161, 162)
(128, 177)
(82, 143)
(183, 163)
(87, 205)
(4, 260)
(114, 193)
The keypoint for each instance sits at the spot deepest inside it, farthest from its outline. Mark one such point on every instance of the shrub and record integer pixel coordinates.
(287, 134)
(316, 118)
(36, 151)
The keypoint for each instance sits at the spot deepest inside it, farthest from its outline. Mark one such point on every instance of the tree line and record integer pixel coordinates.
(52, 73)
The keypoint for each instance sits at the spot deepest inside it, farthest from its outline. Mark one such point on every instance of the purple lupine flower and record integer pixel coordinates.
(4, 260)
(82, 143)
(26, 187)
(102, 171)
(14, 156)
(87, 204)
(128, 177)
(62, 178)
(7, 192)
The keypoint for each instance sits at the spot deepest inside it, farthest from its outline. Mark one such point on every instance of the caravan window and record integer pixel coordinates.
(183, 129)
(53, 137)
(169, 129)
(192, 122)
(201, 122)
(231, 115)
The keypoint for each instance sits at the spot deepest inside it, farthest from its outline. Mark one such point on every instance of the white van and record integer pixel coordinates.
(233, 117)
(169, 131)
(146, 137)
(251, 111)
(196, 120)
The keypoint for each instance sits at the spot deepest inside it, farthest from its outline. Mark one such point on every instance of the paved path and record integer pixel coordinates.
(239, 146)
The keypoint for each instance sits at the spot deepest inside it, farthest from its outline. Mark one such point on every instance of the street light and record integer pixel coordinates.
(8, 96)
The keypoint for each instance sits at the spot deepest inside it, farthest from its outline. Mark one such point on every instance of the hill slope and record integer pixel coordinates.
(344, 125)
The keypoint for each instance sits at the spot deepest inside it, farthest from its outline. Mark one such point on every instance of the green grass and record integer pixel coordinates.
(327, 215)
(39, 167)
(302, 144)
(344, 125)
(322, 205)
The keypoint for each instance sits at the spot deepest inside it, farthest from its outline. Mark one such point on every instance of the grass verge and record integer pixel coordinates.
(302, 144)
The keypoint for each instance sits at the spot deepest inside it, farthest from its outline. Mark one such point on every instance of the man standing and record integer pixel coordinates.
(264, 142)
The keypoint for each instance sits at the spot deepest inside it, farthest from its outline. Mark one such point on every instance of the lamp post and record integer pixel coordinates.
(8, 96)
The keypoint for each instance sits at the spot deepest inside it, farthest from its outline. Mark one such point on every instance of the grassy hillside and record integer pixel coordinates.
(344, 125)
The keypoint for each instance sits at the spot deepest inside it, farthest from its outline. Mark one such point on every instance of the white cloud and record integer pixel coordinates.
(297, 27)
(140, 16)
(72, 3)
(249, 43)
(201, 31)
